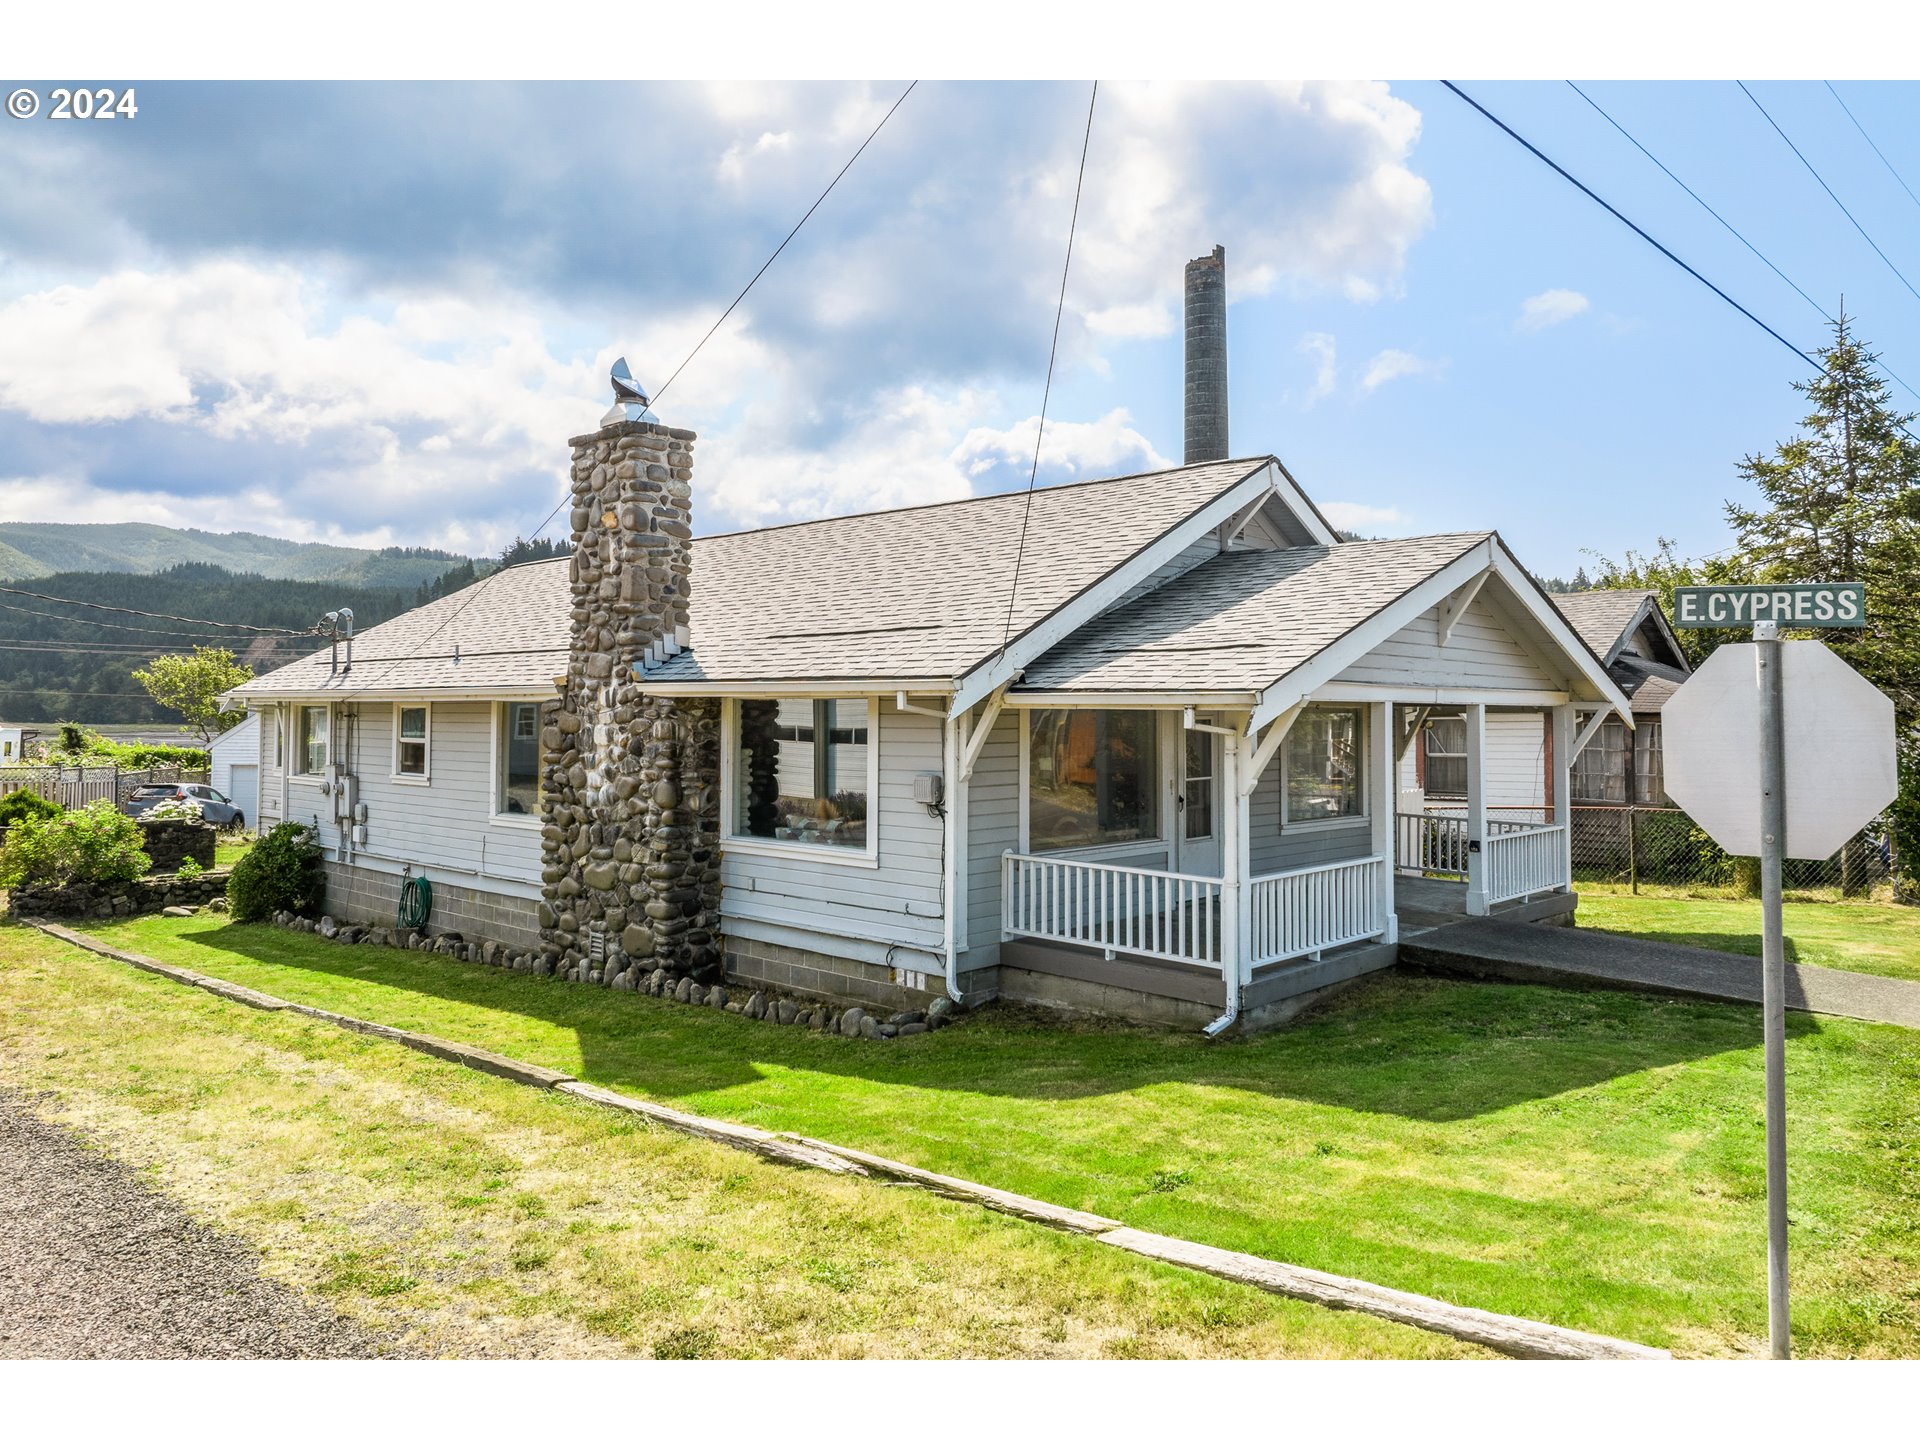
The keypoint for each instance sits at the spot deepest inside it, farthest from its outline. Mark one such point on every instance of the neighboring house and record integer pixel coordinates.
(13, 744)
(1128, 746)
(234, 767)
(1629, 631)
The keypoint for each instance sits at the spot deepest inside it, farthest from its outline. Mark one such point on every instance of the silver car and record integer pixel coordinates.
(215, 808)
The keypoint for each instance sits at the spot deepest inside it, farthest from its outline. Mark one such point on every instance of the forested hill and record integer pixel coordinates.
(62, 662)
(31, 551)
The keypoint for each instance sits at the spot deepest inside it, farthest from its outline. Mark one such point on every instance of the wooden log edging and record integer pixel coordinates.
(1507, 1334)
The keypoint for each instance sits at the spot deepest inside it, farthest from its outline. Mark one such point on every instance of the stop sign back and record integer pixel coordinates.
(1839, 749)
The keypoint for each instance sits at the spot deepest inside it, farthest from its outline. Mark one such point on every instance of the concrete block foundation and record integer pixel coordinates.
(364, 896)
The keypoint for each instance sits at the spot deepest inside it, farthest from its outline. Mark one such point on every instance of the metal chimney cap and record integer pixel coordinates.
(630, 402)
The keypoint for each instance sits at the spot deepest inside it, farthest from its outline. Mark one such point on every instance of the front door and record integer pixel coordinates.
(1198, 827)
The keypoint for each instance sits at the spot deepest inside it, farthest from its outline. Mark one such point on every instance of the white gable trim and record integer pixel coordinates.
(1487, 556)
(981, 681)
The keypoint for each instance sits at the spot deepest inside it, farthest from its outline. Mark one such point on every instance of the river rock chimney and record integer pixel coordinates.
(630, 855)
(1206, 316)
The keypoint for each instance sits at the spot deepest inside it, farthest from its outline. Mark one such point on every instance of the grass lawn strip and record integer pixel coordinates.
(1525, 1339)
(1590, 1159)
(1871, 939)
(463, 1217)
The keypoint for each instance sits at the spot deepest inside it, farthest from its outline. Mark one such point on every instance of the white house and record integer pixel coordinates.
(1132, 746)
(233, 762)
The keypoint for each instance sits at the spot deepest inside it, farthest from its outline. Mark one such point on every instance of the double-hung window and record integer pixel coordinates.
(803, 773)
(410, 739)
(517, 751)
(1323, 780)
(1444, 742)
(311, 751)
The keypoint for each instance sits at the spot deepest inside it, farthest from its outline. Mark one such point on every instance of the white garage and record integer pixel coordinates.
(235, 767)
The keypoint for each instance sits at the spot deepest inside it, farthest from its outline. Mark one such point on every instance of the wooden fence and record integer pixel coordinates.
(72, 786)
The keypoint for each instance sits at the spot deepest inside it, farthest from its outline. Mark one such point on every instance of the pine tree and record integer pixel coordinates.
(1842, 502)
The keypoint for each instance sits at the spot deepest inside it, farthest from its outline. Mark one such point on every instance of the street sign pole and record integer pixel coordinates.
(1773, 970)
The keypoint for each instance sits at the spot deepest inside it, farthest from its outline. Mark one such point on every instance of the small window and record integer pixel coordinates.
(1445, 741)
(518, 782)
(313, 739)
(801, 772)
(1092, 778)
(1323, 766)
(1600, 770)
(410, 742)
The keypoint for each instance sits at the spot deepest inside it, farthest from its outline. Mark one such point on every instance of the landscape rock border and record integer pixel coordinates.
(774, 1007)
(1507, 1334)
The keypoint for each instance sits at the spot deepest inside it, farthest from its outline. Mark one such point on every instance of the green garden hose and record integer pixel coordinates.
(416, 902)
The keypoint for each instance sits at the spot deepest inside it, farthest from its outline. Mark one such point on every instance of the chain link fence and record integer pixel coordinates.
(1659, 850)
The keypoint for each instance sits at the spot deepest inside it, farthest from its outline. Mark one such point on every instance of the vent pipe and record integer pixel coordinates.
(1206, 315)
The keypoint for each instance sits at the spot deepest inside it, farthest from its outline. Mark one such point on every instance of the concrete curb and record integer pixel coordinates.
(1507, 1334)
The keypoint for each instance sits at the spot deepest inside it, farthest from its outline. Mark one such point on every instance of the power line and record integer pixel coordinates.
(142, 630)
(153, 614)
(1564, 174)
(1869, 139)
(473, 591)
(1826, 187)
(1731, 230)
(782, 245)
(1046, 392)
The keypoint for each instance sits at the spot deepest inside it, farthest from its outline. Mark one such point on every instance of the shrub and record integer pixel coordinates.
(19, 804)
(174, 809)
(281, 872)
(190, 869)
(95, 843)
(1903, 822)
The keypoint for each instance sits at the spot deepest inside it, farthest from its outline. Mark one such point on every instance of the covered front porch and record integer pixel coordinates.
(1218, 923)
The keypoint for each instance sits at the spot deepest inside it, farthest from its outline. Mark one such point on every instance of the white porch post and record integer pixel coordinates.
(1476, 718)
(1236, 929)
(1383, 771)
(1563, 787)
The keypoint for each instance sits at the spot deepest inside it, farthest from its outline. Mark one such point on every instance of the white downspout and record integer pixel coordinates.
(1233, 843)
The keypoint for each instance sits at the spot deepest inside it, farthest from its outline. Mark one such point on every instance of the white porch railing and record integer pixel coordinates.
(1321, 907)
(1525, 860)
(1116, 908)
(1429, 844)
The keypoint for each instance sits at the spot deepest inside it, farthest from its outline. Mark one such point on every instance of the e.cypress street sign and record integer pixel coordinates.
(1841, 605)
(1739, 742)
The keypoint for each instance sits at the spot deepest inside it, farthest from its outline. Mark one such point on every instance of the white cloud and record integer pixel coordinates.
(1081, 449)
(1363, 519)
(1550, 307)
(1397, 365)
(1321, 347)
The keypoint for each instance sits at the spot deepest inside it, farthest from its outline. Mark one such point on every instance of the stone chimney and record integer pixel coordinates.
(630, 876)
(1207, 357)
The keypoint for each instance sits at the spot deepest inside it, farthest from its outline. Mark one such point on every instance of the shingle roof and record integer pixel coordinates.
(923, 592)
(1647, 683)
(917, 593)
(1601, 617)
(510, 632)
(1243, 619)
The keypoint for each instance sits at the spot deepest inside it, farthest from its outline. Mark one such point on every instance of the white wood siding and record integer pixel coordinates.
(897, 902)
(1516, 772)
(1482, 654)
(271, 718)
(993, 827)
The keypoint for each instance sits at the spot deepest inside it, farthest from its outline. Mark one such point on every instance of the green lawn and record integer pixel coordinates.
(1873, 939)
(1592, 1159)
(228, 849)
(458, 1214)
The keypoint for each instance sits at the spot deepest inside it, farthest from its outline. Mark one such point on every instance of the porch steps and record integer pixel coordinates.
(1547, 955)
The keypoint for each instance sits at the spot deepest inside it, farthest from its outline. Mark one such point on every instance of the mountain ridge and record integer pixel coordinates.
(30, 550)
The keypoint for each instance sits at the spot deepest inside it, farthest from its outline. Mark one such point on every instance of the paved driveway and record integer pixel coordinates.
(95, 1265)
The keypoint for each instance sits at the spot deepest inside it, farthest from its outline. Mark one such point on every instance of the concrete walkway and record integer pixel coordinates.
(1544, 955)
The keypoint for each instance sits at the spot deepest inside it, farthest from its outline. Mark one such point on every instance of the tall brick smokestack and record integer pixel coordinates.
(1207, 357)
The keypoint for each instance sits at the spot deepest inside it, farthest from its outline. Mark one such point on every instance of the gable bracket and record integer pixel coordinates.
(1587, 732)
(1455, 605)
(1270, 742)
(1416, 717)
(982, 728)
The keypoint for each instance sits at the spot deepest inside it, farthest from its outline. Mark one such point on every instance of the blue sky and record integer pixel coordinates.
(376, 313)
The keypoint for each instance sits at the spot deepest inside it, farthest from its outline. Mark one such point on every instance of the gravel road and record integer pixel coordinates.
(95, 1265)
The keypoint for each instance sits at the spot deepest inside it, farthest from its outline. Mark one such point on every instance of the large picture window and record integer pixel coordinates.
(1092, 778)
(1323, 766)
(517, 743)
(313, 740)
(801, 772)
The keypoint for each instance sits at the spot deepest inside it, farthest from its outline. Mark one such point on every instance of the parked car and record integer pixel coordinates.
(215, 808)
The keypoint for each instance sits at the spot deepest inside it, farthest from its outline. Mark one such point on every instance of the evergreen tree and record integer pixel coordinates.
(1841, 501)
(520, 552)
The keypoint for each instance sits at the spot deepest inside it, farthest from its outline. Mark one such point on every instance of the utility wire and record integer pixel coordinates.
(1869, 139)
(143, 630)
(473, 591)
(1828, 188)
(154, 614)
(782, 245)
(1053, 349)
(1821, 309)
(1561, 171)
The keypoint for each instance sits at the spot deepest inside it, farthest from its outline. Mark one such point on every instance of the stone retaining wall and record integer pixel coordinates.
(106, 898)
(170, 842)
